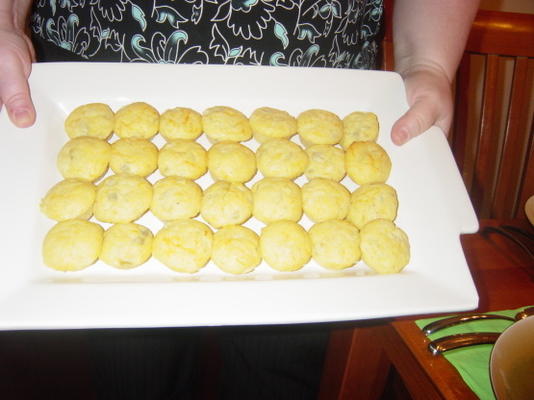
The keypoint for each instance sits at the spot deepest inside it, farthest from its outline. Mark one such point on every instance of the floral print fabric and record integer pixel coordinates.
(323, 33)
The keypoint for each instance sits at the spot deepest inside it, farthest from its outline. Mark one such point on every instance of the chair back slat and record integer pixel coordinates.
(485, 168)
(514, 154)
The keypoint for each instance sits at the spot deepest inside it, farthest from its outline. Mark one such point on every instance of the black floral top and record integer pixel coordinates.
(323, 33)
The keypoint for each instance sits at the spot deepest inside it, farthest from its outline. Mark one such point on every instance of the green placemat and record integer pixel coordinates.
(472, 362)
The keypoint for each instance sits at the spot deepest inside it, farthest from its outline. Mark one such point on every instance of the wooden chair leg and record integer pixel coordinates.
(356, 366)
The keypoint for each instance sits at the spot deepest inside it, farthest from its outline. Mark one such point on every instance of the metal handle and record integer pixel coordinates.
(451, 342)
(460, 319)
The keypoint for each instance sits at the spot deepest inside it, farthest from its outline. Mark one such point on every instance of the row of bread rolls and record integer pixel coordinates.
(187, 246)
(90, 158)
(126, 198)
(220, 123)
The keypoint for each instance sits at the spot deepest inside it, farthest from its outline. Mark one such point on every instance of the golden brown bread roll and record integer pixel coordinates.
(122, 198)
(277, 199)
(180, 123)
(385, 247)
(94, 119)
(226, 203)
(126, 246)
(223, 123)
(270, 123)
(232, 162)
(367, 162)
(72, 245)
(281, 158)
(137, 120)
(335, 244)
(184, 245)
(285, 245)
(236, 249)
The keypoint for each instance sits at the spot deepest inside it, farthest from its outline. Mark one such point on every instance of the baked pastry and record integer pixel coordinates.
(367, 162)
(319, 127)
(225, 124)
(326, 161)
(122, 198)
(277, 199)
(84, 157)
(285, 245)
(372, 201)
(126, 246)
(134, 156)
(94, 119)
(271, 123)
(236, 249)
(175, 198)
(138, 120)
(180, 123)
(281, 158)
(335, 244)
(359, 127)
(69, 199)
(324, 199)
(184, 245)
(183, 158)
(385, 247)
(232, 162)
(226, 203)
(72, 245)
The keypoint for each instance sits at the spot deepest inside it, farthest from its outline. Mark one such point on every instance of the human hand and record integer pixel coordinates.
(429, 95)
(16, 56)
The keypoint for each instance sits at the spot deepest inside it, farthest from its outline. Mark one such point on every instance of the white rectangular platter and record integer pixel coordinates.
(434, 209)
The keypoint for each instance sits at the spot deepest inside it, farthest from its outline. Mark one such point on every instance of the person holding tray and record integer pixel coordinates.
(429, 37)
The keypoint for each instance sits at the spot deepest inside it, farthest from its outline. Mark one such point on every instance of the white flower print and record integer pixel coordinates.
(166, 50)
(67, 35)
(259, 12)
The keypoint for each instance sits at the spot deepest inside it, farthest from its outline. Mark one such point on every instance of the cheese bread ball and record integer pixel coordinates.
(326, 161)
(335, 244)
(94, 119)
(359, 127)
(126, 246)
(180, 123)
(69, 199)
(225, 124)
(319, 127)
(139, 120)
(232, 162)
(285, 245)
(281, 158)
(324, 199)
(372, 201)
(183, 158)
(367, 162)
(385, 247)
(134, 156)
(84, 157)
(122, 198)
(226, 203)
(271, 123)
(184, 246)
(175, 198)
(277, 199)
(72, 245)
(236, 249)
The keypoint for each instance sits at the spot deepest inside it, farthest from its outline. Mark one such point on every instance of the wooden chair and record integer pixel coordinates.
(492, 136)
(492, 141)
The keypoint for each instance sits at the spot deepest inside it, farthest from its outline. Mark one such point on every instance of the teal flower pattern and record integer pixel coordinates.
(312, 33)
